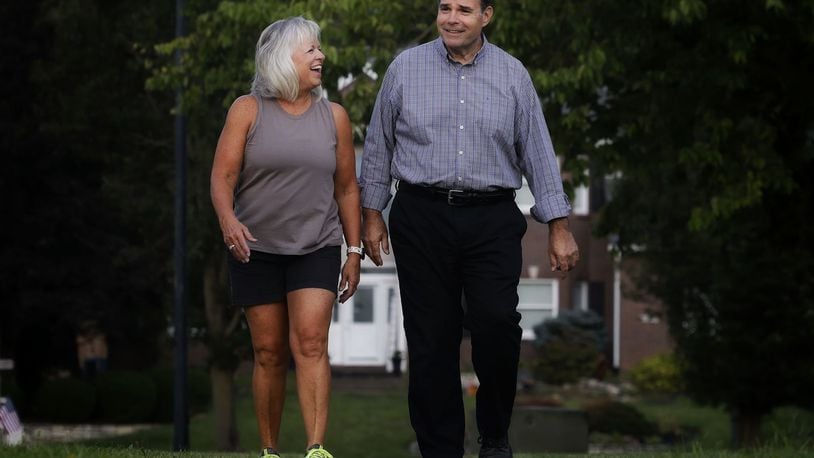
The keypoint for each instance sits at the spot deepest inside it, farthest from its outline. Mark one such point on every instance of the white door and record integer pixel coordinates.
(361, 326)
(364, 336)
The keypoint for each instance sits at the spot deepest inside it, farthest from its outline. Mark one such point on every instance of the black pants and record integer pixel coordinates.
(440, 251)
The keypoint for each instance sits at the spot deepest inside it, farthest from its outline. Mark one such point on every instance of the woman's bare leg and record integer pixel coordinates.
(268, 325)
(309, 314)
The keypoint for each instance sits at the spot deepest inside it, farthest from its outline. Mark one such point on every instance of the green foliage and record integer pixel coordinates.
(64, 400)
(90, 200)
(704, 117)
(9, 389)
(569, 347)
(125, 397)
(614, 417)
(565, 360)
(584, 326)
(658, 374)
(199, 392)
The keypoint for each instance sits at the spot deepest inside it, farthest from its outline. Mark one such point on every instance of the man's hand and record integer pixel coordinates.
(563, 252)
(374, 235)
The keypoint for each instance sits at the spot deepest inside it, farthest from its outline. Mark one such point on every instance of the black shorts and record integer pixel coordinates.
(267, 278)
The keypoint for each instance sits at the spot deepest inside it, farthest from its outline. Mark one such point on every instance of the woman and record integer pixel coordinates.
(284, 188)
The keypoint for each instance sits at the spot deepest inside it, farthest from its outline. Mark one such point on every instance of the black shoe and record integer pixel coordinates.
(495, 448)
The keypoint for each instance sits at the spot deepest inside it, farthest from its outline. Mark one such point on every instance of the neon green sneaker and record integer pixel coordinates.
(316, 451)
(270, 453)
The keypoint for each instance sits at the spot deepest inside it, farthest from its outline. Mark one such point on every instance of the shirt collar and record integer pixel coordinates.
(438, 44)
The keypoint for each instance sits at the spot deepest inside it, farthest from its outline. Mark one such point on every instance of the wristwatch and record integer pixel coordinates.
(358, 250)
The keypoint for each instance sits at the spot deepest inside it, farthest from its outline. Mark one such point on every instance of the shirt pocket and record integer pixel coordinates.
(496, 118)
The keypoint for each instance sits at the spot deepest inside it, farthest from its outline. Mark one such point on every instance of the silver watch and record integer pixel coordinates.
(358, 250)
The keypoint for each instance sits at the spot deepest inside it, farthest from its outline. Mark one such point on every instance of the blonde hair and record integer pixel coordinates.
(274, 72)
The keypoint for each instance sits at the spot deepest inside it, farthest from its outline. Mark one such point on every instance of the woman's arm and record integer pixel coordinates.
(346, 193)
(226, 170)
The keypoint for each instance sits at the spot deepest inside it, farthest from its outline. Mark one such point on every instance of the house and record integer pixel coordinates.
(367, 330)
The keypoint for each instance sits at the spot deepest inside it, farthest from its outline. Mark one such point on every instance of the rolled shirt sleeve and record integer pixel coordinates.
(537, 158)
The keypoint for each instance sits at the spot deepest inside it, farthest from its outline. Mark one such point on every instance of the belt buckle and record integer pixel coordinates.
(451, 196)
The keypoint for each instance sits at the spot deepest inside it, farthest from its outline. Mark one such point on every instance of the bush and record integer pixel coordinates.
(561, 361)
(64, 400)
(199, 392)
(125, 397)
(658, 374)
(613, 417)
(9, 389)
(569, 347)
(582, 325)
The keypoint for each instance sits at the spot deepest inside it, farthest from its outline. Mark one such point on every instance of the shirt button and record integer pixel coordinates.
(460, 179)
(460, 152)
(462, 127)
(463, 77)
(462, 101)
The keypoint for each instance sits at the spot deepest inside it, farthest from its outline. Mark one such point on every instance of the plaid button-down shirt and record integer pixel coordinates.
(478, 126)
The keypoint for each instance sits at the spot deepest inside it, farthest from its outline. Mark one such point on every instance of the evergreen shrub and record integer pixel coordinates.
(199, 393)
(614, 417)
(64, 400)
(569, 347)
(125, 397)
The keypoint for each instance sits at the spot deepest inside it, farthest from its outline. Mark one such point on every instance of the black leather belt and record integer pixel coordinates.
(457, 197)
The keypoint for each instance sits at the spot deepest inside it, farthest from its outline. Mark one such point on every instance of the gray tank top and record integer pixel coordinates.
(285, 193)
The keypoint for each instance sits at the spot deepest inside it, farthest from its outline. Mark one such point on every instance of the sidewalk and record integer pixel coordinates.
(38, 433)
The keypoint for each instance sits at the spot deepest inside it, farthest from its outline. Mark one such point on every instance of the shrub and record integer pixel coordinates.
(9, 389)
(569, 347)
(199, 392)
(613, 417)
(561, 361)
(164, 391)
(658, 374)
(584, 326)
(125, 397)
(64, 400)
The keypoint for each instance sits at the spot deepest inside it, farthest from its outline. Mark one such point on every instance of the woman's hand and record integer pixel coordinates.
(350, 277)
(236, 236)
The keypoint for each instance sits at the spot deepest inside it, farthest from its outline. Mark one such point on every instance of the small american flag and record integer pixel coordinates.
(11, 430)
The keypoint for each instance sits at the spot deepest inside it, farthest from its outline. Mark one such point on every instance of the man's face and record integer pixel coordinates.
(460, 23)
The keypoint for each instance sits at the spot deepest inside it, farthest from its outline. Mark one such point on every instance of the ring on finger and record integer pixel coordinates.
(231, 247)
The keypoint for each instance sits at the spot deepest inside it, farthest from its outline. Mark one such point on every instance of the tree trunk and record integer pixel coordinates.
(223, 409)
(223, 360)
(746, 429)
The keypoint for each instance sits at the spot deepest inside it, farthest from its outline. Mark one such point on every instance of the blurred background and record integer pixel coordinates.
(685, 132)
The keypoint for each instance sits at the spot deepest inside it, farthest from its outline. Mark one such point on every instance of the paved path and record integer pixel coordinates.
(45, 432)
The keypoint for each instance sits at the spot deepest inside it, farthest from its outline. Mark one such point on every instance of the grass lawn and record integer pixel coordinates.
(77, 451)
(375, 423)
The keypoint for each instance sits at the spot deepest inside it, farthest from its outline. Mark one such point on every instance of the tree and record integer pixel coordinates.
(85, 179)
(702, 110)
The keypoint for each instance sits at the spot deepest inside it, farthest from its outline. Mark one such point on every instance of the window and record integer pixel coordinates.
(579, 295)
(581, 203)
(538, 302)
(363, 305)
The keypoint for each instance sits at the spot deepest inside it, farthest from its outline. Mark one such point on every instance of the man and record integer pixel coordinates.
(458, 123)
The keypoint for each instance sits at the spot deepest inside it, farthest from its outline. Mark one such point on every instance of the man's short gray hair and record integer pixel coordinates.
(483, 4)
(274, 72)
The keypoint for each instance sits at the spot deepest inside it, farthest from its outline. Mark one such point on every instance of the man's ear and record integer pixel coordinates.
(487, 15)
